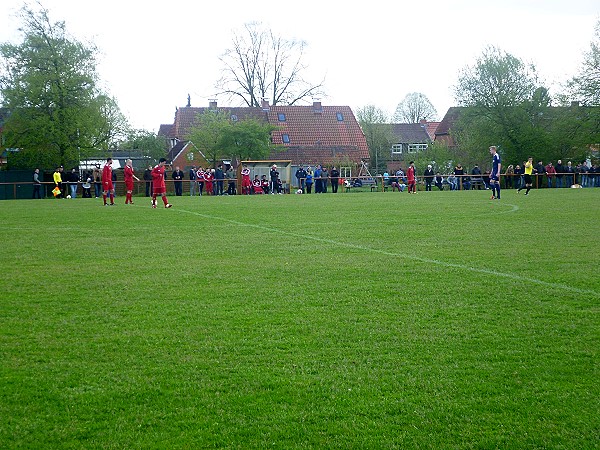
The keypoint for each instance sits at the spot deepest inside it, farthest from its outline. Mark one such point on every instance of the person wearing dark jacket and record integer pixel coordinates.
(428, 175)
(177, 176)
(560, 170)
(301, 177)
(334, 175)
(148, 179)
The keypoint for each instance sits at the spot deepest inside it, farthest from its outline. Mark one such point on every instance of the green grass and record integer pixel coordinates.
(356, 320)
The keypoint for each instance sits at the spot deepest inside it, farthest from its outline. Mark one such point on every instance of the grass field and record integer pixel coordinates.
(358, 320)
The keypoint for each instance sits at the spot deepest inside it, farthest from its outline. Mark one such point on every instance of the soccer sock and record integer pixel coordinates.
(112, 198)
(527, 191)
(104, 198)
(498, 190)
(154, 200)
(493, 190)
(164, 198)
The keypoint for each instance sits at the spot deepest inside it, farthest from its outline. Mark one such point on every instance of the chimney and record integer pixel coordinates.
(317, 108)
(212, 103)
(265, 105)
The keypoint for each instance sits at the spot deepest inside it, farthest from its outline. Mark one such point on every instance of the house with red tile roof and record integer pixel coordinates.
(310, 135)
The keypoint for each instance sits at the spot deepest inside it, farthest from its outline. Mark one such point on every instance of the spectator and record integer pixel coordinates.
(177, 177)
(37, 184)
(97, 174)
(452, 182)
(428, 175)
(550, 172)
(458, 173)
(200, 180)
(301, 176)
(309, 180)
(220, 178)
(540, 170)
(148, 179)
(335, 179)
(192, 176)
(324, 179)
(274, 174)
(509, 176)
(317, 179)
(87, 187)
(559, 173)
(73, 181)
(518, 174)
(231, 178)
(209, 178)
(257, 186)
(246, 183)
(476, 177)
(439, 181)
(264, 184)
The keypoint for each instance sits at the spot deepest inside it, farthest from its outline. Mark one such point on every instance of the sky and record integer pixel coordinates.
(153, 54)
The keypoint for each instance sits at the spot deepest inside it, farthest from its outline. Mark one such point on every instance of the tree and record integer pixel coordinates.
(378, 133)
(261, 65)
(505, 107)
(147, 142)
(585, 86)
(414, 108)
(217, 136)
(247, 139)
(48, 83)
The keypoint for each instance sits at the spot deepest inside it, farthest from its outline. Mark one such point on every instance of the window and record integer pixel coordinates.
(397, 149)
(286, 138)
(414, 148)
(340, 117)
(281, 117)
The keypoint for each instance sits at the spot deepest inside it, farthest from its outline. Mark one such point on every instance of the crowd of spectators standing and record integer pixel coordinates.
(223, 180)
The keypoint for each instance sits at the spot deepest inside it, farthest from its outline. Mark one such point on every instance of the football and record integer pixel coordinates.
(299, 191)
(68, 196)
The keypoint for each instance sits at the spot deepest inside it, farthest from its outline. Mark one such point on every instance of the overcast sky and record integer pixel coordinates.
(370, 53)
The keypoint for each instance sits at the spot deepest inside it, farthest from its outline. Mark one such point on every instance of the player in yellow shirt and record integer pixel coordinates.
(528, 173)
(57, 177)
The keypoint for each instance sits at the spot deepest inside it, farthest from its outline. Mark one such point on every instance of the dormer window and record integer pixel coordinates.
(286, 138)
(281, 117)
(340, 117)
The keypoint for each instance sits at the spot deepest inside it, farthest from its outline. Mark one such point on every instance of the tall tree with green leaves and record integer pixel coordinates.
(218, 137)
(378, 133)
(147, 142)
(505, 107)
(248, 139)
(48, 83)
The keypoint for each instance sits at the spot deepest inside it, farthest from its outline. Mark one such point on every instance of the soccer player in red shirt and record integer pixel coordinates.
(410, 175)
(158, 182)
(129, 176)
(107, 184)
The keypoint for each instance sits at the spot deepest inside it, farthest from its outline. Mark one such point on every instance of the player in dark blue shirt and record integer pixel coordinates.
(495, 175)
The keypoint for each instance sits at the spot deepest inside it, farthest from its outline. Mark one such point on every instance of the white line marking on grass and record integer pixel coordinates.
(485, 271)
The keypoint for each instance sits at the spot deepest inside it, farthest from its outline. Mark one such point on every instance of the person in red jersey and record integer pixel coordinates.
(246, 183)
(129, 177)
(158, 182)
(410, 175)
(209, 177)
(256, 186)
(107, 183)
